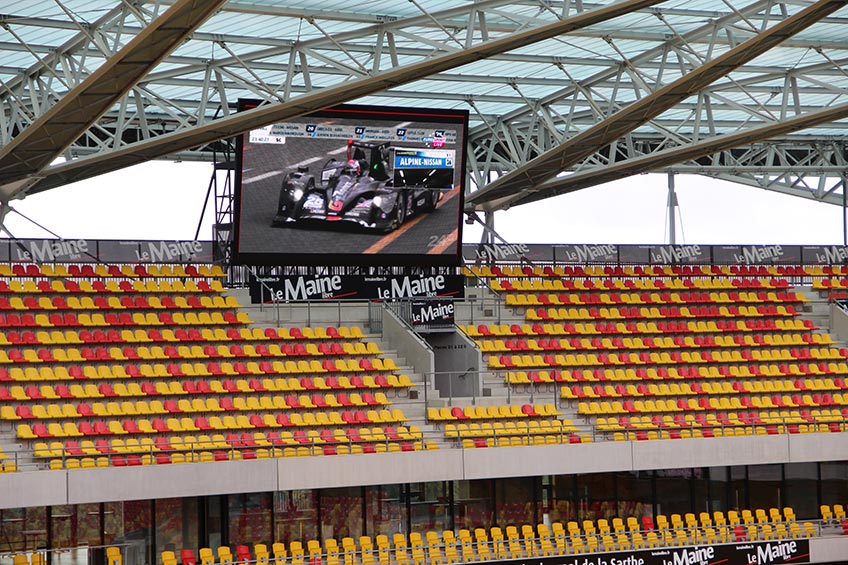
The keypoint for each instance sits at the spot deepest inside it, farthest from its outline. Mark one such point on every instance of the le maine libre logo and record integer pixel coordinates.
(408, 287)
(52, 249)
(502, 251)
(833, 254)
(305, 288)
(169, 250)
(591, 252)
(329, 286)
(676, 253)
(759, 254)
(442, 311)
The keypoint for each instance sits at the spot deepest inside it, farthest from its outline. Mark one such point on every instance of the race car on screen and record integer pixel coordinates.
(377, 187)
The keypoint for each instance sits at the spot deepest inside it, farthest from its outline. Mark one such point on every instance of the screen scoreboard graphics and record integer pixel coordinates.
(352, 185)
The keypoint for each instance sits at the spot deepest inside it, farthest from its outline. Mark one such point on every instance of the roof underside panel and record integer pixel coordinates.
(523, 101)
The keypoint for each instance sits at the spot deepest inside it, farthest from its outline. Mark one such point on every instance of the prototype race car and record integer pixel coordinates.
(378, 192)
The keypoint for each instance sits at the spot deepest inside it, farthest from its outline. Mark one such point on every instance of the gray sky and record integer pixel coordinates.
(164, 200)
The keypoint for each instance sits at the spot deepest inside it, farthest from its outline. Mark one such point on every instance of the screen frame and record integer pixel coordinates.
(456, 117)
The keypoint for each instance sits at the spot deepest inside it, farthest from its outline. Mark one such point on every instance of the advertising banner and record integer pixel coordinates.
(53, 250)
(604, 253)
(174, 252)
(105, 251)
(680, 254)
(294, 288)
(500, 252)
(821, 255)
(768, 254)
(431, 313)
(118, 251)
(639, 254)
(782, 552)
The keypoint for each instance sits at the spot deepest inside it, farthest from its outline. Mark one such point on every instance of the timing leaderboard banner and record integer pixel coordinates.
(782, 552)
(657, 254)
(294, 288)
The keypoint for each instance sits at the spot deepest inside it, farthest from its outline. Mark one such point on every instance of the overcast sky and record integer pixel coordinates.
(163, 200)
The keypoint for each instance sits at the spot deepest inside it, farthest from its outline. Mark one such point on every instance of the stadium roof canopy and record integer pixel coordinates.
(563, 94)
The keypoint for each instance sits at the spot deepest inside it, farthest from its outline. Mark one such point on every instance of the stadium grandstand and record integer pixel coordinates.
(331, 376)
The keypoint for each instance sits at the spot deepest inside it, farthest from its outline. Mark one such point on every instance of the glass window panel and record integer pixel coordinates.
(341, 512)
(176, 524)
(719, 486)
(63, 523)
(700, 500)
(385, 510)
(473, 504)
(673, 491)
(249, 518)
(595, 496)
(563, 508)
(88, 524)
(429, 506)
(834, 483)
(13, 522)
(129, 524)
(215, 512)
(802, 489)
(738, 487)
(296, 515)
(515, 502)
(765, 482)
(634, 494)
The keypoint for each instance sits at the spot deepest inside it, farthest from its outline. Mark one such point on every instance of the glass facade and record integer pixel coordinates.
(148, 527)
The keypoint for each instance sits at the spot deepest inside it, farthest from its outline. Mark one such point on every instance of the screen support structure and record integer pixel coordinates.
(221, 184)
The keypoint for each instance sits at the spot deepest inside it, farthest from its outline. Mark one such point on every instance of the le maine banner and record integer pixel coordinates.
(289, 288)
(781, 552)
(169, 251)
(657, 254)
(104, 251)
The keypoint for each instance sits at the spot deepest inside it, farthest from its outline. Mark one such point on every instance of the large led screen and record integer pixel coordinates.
(353, 185)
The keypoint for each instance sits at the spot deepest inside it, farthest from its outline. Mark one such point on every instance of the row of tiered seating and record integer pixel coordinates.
(516, 542)
(504, 425)
(776, 327)
(651, 271)
(701, 351)
(232, 446)
(170, 356)
(154, 335)
(99, 270)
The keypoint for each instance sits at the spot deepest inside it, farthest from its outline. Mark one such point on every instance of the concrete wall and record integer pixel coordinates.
(39, 488)
(838, 322)
(458, 362)
(829, 550)
(415, 350)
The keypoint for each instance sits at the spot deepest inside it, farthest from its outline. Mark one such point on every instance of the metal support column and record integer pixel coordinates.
(672, 207)
(844, 210)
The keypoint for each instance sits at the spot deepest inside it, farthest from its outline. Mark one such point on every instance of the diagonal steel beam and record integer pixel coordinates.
(668, 157)
(530, 175)
(55, 130)
(94, 165)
